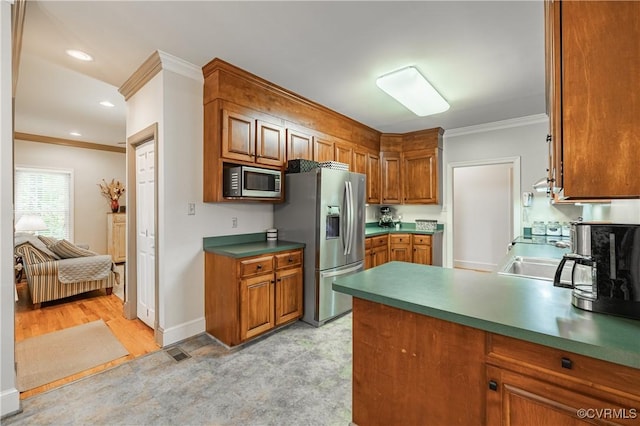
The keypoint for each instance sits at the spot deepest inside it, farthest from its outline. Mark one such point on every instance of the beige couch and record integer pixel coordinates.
(56, 269)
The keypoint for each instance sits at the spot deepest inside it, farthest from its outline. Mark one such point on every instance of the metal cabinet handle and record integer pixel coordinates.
(493, 385)
(566, 363)
(259, 267)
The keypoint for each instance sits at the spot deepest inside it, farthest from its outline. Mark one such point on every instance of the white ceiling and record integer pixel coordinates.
(485, 58)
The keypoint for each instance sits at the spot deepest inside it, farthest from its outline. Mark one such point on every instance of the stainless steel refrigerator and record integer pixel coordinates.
(325, 209)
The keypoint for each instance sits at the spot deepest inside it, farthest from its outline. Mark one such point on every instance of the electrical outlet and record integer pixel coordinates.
(191, 210)
(234, 222)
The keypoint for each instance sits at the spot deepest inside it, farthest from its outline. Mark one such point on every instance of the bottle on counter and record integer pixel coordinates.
(554, 228)
(538, 228)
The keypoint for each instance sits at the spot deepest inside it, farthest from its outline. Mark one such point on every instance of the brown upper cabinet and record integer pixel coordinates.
(251, 139)
(299, 145)
(592, 63)
(248, 120)
(323, 149)
(411, 167)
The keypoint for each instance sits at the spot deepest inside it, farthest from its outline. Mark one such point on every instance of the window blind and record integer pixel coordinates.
(47, 193)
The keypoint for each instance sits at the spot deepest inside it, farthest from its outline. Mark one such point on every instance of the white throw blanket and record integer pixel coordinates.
(90, 268)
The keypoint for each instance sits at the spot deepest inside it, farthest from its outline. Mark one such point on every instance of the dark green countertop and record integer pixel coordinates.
(526, 309)
(245, 245)
(372, 230)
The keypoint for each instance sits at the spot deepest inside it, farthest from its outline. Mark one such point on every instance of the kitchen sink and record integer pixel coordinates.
(536, 267)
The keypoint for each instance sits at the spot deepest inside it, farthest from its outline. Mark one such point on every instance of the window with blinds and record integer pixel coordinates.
(47, 193)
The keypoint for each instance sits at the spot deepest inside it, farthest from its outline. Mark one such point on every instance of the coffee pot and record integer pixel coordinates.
(605, 274)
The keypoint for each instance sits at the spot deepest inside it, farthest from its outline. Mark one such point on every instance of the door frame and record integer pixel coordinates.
(131, 296)
(517, 208)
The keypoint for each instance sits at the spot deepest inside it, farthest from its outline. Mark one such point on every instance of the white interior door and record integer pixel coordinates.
(145, 237)
(482, 215)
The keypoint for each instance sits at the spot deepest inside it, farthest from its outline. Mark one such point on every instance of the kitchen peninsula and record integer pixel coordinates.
(446, 346)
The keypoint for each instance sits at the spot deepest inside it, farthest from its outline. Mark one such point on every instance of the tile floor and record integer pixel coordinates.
(300, 375)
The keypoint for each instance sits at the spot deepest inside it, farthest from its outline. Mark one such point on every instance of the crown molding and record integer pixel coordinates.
(158, 61)
(497, 125)
(180, 66)
(149, 68)
(67, 142)
(18, 10)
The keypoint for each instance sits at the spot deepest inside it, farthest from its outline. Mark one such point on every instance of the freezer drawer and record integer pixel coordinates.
(329, 303)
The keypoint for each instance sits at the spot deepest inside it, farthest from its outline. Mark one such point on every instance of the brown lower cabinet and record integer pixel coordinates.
(413, 248)
(246, 297)
(415, 369)
(376, 251)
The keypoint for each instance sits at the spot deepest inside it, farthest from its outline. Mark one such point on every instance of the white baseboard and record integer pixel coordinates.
(180, 332)
(478, 266)
(10, 402)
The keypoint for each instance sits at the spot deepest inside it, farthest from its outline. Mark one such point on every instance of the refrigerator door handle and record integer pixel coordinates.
(344, 221)
(345, 271)
(349, 207)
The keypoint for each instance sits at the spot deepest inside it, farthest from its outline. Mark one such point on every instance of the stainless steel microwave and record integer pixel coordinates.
(254, 182)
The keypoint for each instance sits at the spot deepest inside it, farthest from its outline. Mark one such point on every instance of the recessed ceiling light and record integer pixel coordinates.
(412, 90)
(107, 104)
(79, 54)
(74, 133)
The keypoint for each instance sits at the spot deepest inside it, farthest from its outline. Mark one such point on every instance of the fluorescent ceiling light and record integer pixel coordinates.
(75, 133)
(107, 104)
(79, 54)
(412, 90)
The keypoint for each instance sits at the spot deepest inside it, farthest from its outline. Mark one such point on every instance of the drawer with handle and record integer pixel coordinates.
(286, 260)
(256, 265)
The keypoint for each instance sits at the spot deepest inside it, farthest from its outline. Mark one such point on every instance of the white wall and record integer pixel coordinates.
(9, 395)
(89, 167)
(173, 99)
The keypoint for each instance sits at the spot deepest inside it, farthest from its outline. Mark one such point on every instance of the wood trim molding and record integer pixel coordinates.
(67, 142)
(18, 11)
(219, 64)
(141, 76)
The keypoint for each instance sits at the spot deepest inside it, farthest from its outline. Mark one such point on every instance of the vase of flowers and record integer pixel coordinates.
(112, 191)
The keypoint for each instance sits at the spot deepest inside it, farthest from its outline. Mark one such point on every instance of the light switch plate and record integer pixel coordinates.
(191, 209)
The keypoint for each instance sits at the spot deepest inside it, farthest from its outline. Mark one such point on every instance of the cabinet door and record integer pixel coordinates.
(516, 399)
(359, 164)
(600, 125)
(553, 75)
(422, 249)
(380, 255)
(422, 254)
(119, 242)
(368, 258)
(256, 305)
(390, 177)
(299, 145)
(322, 149)
(288, 296)
(238, 137)
(343, 153)
(373, 178)
(400, 247)
(270, 146)
(420, 177)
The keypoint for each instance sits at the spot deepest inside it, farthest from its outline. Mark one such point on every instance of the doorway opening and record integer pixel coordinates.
(485, 213)
(141, 295)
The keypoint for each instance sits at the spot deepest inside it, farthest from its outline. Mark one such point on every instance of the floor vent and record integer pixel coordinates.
(177, 354)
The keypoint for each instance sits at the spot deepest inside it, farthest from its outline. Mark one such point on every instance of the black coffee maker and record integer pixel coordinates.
(386, 220)
(605, 268)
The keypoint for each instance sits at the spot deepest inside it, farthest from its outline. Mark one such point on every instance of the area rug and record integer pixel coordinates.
(53, 356)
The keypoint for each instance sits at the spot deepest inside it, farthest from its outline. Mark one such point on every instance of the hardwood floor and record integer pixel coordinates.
(134, 335)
